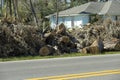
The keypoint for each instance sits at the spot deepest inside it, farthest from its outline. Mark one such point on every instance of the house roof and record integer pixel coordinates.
(72, 11)
(110, 7)
(90, 7)
(94, 7)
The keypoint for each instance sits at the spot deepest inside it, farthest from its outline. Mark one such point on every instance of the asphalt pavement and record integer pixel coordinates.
(32, 69)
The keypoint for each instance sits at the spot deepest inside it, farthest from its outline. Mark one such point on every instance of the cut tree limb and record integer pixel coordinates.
(112, 45)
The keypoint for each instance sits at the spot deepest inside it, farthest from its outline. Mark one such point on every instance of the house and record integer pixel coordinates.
(80, 15)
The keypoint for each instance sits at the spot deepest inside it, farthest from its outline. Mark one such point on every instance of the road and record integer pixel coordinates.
(100, 67)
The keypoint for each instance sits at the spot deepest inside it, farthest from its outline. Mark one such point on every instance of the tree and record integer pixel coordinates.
(15, 6)
(1, 7)
(57, 12)
(10, 6)
(34, 14)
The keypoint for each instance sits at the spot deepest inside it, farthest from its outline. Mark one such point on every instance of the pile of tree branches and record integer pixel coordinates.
(108, 32)
(25, 40)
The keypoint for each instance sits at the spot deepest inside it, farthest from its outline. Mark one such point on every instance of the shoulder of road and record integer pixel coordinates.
(63, 58)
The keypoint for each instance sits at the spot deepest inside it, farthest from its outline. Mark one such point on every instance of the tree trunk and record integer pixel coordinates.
(7, 9)
(15, 4)
(57, 12)
(34, 14)
(10, 7)
(64, 39)
(1, 7)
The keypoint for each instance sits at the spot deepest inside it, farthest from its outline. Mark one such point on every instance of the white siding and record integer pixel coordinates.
(68, 22)
(81, 20)
(52, 22)
(111, 17)
(60, 20)
(78, 20)
(85, 19)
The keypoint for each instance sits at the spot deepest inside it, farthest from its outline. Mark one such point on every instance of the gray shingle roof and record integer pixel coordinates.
(74, 10)
(90, 7)
(110, 8)
(94, 7)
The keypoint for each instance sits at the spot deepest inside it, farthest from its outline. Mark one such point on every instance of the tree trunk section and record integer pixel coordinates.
(46, 50)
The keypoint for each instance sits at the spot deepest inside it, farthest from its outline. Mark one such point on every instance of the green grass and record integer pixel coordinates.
(59, 56)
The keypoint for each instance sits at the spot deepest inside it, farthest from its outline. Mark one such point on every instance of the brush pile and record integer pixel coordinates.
(97, 38)
(24, 40)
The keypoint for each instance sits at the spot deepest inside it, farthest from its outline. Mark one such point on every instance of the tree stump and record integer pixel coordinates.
(46, 50)
(64, 39)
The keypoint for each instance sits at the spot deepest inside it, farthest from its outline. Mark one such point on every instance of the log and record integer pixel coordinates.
(49, 38)
(46, 50)
(84, 50)
(98, 43)
(94, 50)
(73, 45)
(96, 47)
(61, 29)
(52, 33)
(57, 51)
(111, 45)
(47, 35)
(64, 39)
(91, 49)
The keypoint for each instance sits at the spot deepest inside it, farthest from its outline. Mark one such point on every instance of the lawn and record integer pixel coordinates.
(58, 56)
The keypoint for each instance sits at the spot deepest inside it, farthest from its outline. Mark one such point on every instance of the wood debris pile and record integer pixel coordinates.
(98, 38)
(24, 40)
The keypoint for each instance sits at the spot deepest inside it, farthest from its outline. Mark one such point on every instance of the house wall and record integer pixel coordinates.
(52, 22)
(81, 20)
(112, 17)
(68, 22)
(71, 21)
